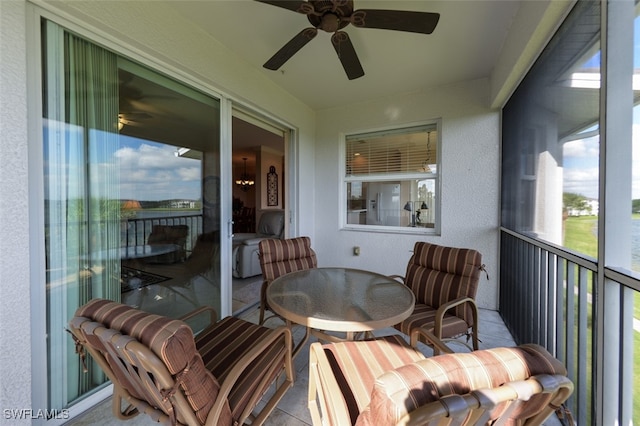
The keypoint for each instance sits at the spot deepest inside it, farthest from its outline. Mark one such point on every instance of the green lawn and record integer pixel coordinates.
(580, 236)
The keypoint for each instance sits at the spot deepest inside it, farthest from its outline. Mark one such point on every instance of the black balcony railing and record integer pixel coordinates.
(137, 230)
(548, 296)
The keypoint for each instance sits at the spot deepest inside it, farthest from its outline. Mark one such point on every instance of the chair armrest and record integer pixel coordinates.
(254, 241)
(246, 362)
(482, 401)
(325, 395)
(431, 339)
(439, 317)
(213, 317)
(452, 304)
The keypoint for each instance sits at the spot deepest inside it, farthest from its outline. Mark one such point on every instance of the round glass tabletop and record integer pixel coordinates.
(340, 299)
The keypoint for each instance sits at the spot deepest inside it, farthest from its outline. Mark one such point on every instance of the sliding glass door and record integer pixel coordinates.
(131, 195)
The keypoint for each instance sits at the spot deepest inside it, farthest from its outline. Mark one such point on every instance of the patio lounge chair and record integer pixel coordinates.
(158, 368)
(444, 281)
(387, 382)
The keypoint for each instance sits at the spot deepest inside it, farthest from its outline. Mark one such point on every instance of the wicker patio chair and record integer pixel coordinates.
(159, 368)
(387, 382)
(444, 281)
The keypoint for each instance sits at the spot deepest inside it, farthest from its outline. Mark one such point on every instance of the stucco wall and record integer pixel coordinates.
(469, 172)
(15, 305)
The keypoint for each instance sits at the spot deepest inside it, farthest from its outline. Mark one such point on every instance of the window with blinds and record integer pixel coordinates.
(391, 181)
(401, 151)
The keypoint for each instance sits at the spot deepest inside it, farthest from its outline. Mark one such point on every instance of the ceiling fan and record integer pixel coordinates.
(333, 15)
(137, 97)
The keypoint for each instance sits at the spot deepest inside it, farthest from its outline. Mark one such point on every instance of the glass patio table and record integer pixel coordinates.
(340, 300)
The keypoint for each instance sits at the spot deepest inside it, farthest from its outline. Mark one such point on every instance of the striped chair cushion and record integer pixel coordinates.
(171, 340)
(404, 389)
(357, 364)
(278, 257)
(221, 346)
(438, 274)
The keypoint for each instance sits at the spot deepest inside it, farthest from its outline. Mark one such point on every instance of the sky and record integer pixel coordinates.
(580, 160)
(151, 171)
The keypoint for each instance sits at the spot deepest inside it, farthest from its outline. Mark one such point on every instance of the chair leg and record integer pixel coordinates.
(474, 336)
(474, 327)
(120, 412)
(263, 301)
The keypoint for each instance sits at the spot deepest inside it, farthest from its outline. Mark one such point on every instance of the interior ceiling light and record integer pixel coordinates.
(245, 182)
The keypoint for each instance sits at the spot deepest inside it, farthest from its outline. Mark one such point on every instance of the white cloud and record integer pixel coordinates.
(581, 181)
(151, 172)
(581, 148)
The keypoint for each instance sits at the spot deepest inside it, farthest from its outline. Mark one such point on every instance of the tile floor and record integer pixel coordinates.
(292, 410)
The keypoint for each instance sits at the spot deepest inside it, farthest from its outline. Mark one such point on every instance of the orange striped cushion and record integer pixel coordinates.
(171, 340)
(357, 364)
(438, 274)
(221, 346)
(404, 389)
(278, 257)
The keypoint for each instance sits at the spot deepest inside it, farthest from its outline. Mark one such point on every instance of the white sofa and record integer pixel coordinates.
(246, 262)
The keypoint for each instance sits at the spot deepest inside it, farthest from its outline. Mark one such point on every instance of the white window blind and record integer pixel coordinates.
(400, 151)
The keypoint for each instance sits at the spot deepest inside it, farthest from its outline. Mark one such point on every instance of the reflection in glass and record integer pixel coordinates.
(551, 140)
(132, 206)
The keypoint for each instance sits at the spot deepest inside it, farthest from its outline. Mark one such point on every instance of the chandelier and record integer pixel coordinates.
(245, 182)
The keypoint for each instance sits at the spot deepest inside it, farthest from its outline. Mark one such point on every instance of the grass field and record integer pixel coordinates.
(580, 236)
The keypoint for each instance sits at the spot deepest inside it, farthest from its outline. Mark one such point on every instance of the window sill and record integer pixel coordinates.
(411, 230)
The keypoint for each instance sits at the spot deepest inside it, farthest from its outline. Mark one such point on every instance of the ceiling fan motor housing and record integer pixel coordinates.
(328, 14)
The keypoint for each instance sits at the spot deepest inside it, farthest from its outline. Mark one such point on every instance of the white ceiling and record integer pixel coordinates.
(464, 46)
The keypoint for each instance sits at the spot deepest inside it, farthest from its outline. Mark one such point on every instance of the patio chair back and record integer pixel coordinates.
(278, 257)
(159, 368)
(444, 281)
(438, 274)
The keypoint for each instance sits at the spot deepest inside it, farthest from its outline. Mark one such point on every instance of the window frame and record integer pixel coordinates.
(344, 179)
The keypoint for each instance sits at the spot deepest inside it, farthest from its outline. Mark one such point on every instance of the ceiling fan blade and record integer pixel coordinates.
(347, 54)
(299, 6)
(398, 20)
(291, 48)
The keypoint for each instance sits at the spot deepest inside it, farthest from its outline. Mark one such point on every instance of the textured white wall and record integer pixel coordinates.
(470, 180)
(15, 347)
